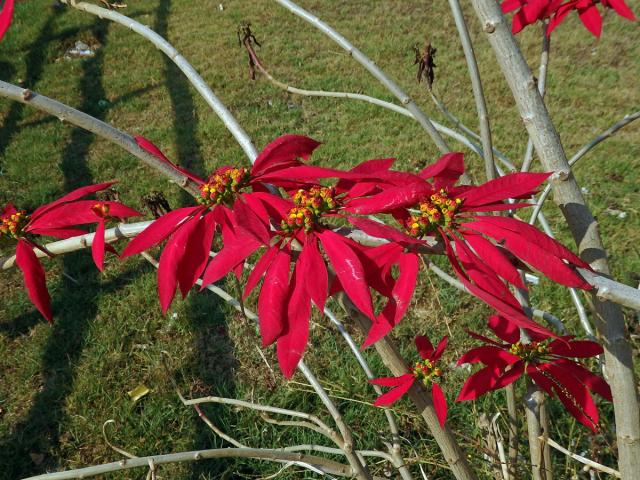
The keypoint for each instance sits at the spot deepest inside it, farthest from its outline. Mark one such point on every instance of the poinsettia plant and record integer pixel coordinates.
(58, 219)
(300, 233)
(550, 363)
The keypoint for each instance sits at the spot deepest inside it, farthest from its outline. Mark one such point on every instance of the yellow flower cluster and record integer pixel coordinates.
(528, 351)
(11, 225)
(426, 371)
(317, 199)
(437, 210)
(298, 217)
(222, 187)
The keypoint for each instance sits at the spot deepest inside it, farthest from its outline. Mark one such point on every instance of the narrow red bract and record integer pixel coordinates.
(424, 371)
(56, 219)
(549, 363)
(6, 15)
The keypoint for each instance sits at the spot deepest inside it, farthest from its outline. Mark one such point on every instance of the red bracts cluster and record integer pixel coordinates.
(528, 12)
(549, 363)
(58, 219)
(6, 15)
(292, 218)
(426, 372)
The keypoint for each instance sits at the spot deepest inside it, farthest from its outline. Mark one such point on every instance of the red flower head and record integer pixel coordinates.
(191, 230)
(450, 213)
(530, 11)
(6, 15)
(284, 303)
(549, 363)
(425, 371)
(56, 219)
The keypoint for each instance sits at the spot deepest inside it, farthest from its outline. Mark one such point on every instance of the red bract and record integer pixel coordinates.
(56, 219)
(549, 363)
(530, 11)
(425, 371)
(6, 15)
(191, 230)
(439, 209)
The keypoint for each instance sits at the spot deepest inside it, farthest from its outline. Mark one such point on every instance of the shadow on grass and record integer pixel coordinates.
(35, 61)
(213, 364)
(40, 431)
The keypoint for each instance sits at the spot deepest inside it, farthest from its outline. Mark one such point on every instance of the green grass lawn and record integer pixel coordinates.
(60, 383)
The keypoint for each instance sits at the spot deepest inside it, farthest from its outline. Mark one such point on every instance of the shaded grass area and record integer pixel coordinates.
(59, 384)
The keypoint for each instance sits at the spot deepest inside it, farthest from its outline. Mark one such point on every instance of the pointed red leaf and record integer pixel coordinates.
(97, 247)
(251, 222)
(349, 270)
(591, 19)
(272, 303)
(391, 381)
(235, 251)
(424, 346)
(390, 199)
(493, 256)
(292, 344)
(198, 246)
(34, 278)
(575, 348)
(61, 233)
(171, 261)
(479, 383)
(504, 329)
(437, 353)
(5, 17)
(439, 403)
(446, 170)
(158, 231)
(156, 152)
(313, 268)
(395, 394)
(70, 197)
(592, 381)
(513, 185)
(490, 355)
(258, 269)
(283, 151)
(619, 6)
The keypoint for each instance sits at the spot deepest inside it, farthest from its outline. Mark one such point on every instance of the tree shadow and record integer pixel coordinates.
(35, 61)
(213, 364)
(40, 432)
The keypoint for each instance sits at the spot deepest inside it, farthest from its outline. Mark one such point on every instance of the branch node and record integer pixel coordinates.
(27, 94)
(489, 27)
(560, 175)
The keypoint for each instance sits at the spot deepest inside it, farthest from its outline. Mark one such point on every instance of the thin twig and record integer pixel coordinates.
(192, 75)
(581, 153)
(581, 459)
(370, 65)
(476, 85)
(330, 466)
(542, 82)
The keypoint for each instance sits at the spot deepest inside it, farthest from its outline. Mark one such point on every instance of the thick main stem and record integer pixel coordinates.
(582, 224)
(532, 401)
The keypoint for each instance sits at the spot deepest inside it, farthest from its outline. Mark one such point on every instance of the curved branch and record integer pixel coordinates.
(370, 65)
(329, 466)
(80, 119)
(476, 85)
(192, 75)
